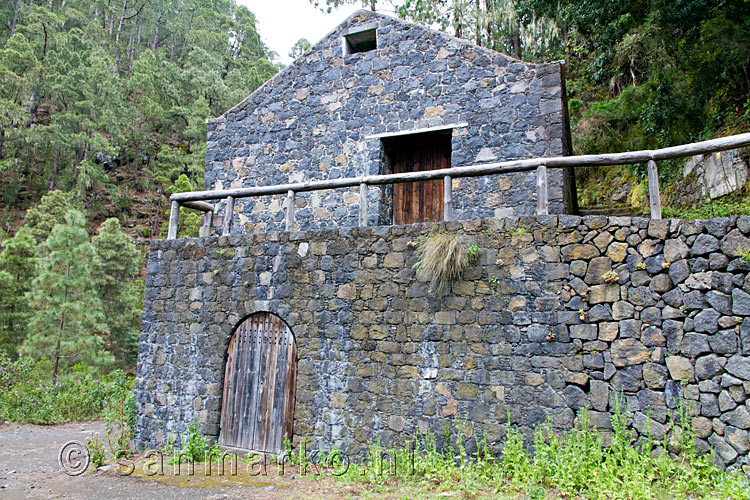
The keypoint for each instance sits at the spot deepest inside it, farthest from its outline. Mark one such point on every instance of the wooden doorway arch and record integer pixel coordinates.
(258, 399)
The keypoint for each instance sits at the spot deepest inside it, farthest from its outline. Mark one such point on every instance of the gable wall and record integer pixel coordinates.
(312, 120)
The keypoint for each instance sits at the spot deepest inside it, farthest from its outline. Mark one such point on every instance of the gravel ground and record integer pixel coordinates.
(29, 468)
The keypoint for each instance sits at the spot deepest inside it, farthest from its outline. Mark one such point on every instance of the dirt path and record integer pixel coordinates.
(29, 468)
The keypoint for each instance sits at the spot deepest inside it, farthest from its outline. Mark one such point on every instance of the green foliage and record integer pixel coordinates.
(97, 451)
(573, 464)
(443, 257)
(27, 393)
(88, 100)
(116, 267)
(194, 448)
(737, 203)
(66, 311)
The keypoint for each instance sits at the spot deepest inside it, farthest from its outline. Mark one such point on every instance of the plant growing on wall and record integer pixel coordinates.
(443, 257)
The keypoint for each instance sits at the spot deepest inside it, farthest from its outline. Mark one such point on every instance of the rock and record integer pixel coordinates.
(658, 229)
(680, 368)
(703, 244)
(600, 312)
(709, 405)
(734, 243)
(719, 301)
(584, 332)
(707, 367)
(700, 281)
(622, 310)
(597, 268)
(661, 283)
(604, 293)
(679, 271)
(652, 337)
(726, 402)
(723, 342)
(628, 379)
(707, 321)
(739, 418)
(694, 344)
(599, 394)
(578, 252)
(702, 427)
(608, 331)
(646, 426)
(575, 397)
(672, 394)
(653, 402)
(740, 302)
(617, 251)
(725, 452)
(738, 438)
(628, 352)
(739, 366)
(396, 423)
(675, 250)
(654, 375)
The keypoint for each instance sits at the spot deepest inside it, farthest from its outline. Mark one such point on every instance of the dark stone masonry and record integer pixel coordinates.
(325, 115)
(561, 313)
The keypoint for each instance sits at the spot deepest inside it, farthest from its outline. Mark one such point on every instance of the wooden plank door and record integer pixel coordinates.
(258, 399)
(419, 201)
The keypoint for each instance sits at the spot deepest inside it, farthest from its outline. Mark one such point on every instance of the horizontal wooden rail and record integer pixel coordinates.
(197, 199)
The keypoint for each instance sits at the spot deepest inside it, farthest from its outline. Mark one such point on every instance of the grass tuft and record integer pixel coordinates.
(443, 257)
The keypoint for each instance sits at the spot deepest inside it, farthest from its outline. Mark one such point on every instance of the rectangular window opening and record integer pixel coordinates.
(362, 41)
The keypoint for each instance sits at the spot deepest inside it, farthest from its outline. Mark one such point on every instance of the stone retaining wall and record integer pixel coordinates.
(533, 331)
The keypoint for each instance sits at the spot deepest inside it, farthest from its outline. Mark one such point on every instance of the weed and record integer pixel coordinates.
(443, 257)
(95, 447)
(640, 266)
(745, 256)
(582, 315)
(610, 277)
(665, 265)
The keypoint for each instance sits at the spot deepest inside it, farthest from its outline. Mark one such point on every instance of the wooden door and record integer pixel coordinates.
(419, 201)
(258, 401)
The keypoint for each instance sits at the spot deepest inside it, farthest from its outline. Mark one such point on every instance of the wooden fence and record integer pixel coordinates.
(198, 199)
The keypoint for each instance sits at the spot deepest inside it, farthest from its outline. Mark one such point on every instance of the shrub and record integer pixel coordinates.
(27, 394)
(443, 257)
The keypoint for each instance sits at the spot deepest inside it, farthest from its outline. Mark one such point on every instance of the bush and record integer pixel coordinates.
(27, 396)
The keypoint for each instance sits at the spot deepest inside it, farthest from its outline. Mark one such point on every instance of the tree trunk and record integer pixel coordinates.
(156, 32)
(517, 44)
(15, 18)
(457, 18)
(117, 36)
(55, 165)
(478, 23)
(373, 6)
(59, 336)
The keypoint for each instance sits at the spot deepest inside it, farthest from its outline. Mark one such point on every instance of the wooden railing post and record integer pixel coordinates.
(654, 199)
(206, 220)
(363, 208)
(228, 212)
(447, 198)
(290, 210)
(542, 195)
(174, 217)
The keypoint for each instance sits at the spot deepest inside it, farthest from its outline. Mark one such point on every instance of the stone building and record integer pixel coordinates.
(380, 95)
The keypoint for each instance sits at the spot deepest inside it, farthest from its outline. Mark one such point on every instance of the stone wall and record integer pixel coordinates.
(315, 120)
(560, 313)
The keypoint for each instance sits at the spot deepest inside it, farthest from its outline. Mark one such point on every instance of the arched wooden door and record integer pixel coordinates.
(258, 401)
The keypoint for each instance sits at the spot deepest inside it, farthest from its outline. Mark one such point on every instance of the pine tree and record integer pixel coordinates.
(17, 265)
(66, 323)
(116, 265)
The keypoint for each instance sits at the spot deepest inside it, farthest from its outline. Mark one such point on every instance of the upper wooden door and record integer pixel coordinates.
(419, 201)
(258, 400)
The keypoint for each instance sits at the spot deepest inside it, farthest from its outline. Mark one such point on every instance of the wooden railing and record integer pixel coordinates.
(198, 199)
